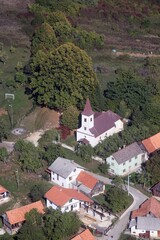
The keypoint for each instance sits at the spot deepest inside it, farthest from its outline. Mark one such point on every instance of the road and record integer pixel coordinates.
(121, 224)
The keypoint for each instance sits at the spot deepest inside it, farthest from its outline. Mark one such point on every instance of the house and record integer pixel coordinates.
(13, 219)
(66, 199)
(145, 221)
(152, 144)
(127, 159)
(156, 190)
(85, 235)
(96, 126)
(4, 193)
(88, 184)
(64, 171)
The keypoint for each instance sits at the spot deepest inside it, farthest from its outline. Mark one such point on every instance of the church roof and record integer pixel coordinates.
(87, 109)
(103, 121)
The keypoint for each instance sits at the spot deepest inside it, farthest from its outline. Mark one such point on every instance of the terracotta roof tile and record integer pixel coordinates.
(18, 215)
(87, 179)
(152, 205)
(2, 189)
(87, 109)
(153, 143)
(85, 235)
(59, 195)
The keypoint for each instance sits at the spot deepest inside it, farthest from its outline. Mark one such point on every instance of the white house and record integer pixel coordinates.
(145, 221)
(64, 171)
(127, 159)
(66, 199)
(4, 194)
(96, 126)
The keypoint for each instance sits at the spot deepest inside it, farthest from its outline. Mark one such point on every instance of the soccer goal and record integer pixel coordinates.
(9, 96)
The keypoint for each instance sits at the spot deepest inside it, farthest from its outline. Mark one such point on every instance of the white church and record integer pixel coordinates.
(96, 126)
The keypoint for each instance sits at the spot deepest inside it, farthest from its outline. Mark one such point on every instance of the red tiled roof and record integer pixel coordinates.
(87, 109)
(152, 205)
(84, 140)
(85, 235)
(59, 195)
(2, 189)
(87, 179)
(153, 143)
(104, 121)
(18, 215)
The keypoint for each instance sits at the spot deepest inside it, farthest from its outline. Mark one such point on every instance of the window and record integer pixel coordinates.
(135, 157)
(70, 200)
(124, 163)
(135, 164)
(112, 158)
(74, 170)
(70, 178)
(130, 160)
(66, 208)
(57, 176)
(85, 119)
(90, 119)
(62, 184)
(85, 128)
(124, 170)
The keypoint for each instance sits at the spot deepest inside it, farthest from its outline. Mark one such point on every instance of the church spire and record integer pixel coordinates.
(87, 109)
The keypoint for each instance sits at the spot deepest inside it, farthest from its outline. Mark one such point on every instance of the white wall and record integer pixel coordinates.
(72, 205)
(136, 232)
(66, 182)
(81, 133)
(125, 168)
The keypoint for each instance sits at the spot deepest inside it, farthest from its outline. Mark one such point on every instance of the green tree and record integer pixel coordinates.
(32, 228)
(60, 225)
(44, 39)
(65, 78)
(48, 137)
(70, 118)
(38, 190)
(3, 154)
(118, 181)
(53, 151)
(3, 130)
(86, 152)
(28, 156)
(152, 168)
(117, 199)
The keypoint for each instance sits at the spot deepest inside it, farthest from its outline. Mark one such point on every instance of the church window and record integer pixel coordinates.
(90, 119)
(85, 119)
(84, 128)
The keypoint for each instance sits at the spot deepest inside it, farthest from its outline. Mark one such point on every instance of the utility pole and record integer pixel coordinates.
(17, 178)
(11, 115)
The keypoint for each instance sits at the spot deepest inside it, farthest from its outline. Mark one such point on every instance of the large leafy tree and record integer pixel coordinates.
(70, 117)
(28, 156)
(3, 130)
(44, 38)
(65, 78)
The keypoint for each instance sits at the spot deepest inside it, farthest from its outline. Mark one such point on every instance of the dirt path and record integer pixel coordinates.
(139, 55)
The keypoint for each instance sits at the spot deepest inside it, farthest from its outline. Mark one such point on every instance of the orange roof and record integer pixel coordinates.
(60, 196)
(87, 179)
(85, 235)
(152, 205)
(2, 189)
(153, 143)
(18, 215)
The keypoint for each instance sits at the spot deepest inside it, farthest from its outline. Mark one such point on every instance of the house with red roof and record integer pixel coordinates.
(152, 144)
(96, 126)
(85, 235)
(88, 184)
(13, 219)
(4, 193)
(66, 199)
(145, 221)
